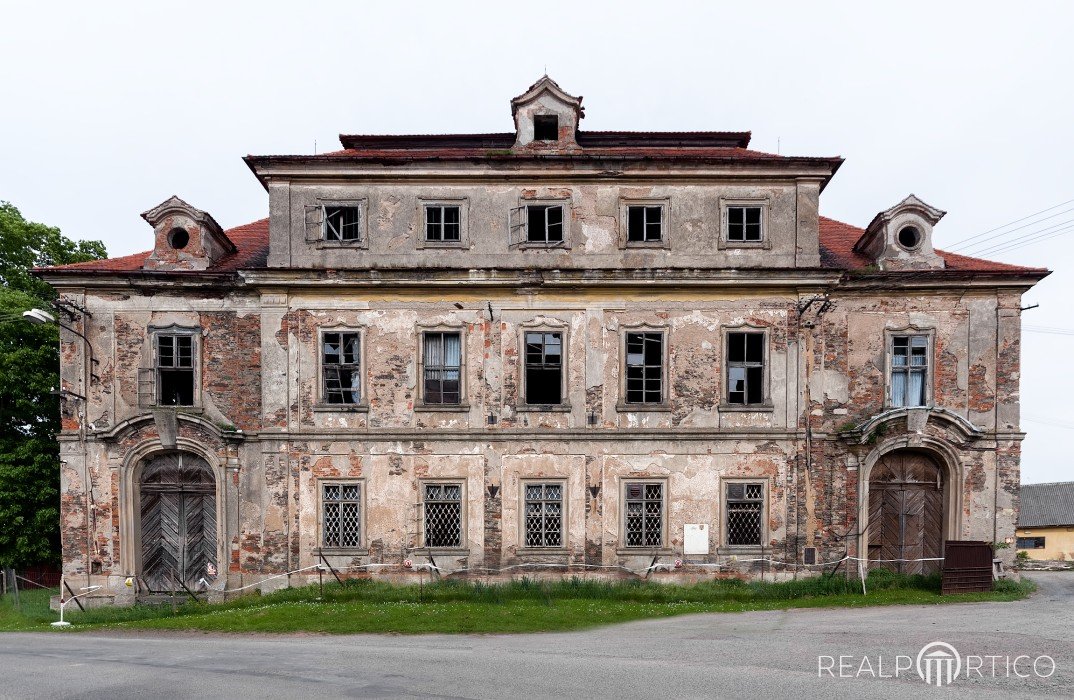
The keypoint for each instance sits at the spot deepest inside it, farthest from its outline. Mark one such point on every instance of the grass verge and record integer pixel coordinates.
(521, 606)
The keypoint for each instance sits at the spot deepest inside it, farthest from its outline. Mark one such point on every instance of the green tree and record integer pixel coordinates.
(29, 370)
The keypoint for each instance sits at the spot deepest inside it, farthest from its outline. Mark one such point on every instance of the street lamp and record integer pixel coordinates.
(40, 317)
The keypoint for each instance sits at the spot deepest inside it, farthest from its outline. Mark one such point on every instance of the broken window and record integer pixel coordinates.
(442, 368)
(909, 369)
(645, 367)
(175, 370)
(744, 508)
(745, 368)
(544, 368)
(544, 223)
(545, 127)
(341, 515)
(544, 515)
(1030, 543)
(644, 514)
(342, 224)
(645, 224)
(744, 224)
(443, 223)
(341, 363)
(443, 515)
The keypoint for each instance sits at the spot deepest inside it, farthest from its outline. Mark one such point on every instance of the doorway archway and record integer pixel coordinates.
(906, 512)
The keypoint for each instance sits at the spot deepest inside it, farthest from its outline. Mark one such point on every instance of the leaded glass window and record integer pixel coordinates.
(443, 515)
(744, 506)
(544, 515)
(341, 515)
(644, 514)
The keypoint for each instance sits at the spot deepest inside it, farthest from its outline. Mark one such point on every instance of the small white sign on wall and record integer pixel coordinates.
(695, 539)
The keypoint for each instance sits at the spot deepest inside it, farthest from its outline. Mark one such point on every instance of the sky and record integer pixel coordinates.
(107, 109)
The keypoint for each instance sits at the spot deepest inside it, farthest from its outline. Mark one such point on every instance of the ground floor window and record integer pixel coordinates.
(644, 514)
(341, 515)
(744, 514)
(544, 515)
(1030, 543)
(443, 514)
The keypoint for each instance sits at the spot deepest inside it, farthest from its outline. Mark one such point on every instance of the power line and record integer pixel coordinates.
(1036, 237)
(1003, 237)
(961, 244)
(1050, 422)
(1048, 329)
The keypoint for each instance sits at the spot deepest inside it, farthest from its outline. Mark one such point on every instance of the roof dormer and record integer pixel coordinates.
(546, 117)
(185, 238)
(900, 238)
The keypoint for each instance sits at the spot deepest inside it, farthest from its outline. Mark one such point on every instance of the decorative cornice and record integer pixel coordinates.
(916, 418)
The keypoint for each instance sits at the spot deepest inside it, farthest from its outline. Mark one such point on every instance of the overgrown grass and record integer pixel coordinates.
(525, 605)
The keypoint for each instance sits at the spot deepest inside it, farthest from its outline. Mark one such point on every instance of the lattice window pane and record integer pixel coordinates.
(443, 515)
(644, 515)
(745, 512)
(341, 515)
(544, 515)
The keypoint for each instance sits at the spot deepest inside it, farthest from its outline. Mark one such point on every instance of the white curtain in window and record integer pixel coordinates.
(452, 350)
(916, 396)
(898, 388)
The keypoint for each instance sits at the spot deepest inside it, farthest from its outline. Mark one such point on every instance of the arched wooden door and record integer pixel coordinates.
(906, 512)
(178, 521)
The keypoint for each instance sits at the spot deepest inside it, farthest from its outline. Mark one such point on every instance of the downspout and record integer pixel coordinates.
(995, 432)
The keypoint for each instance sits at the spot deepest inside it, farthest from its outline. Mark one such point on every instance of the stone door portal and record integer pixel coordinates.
(906, 513)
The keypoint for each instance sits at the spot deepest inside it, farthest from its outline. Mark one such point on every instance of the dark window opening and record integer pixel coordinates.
(644, 515)
(544, 368)
(644, 224)
(909, 370)
(744, 224)
(544, 223)
(909, 237)
(544, 515)
(745, 508)
(178, 238)
(546, 127)
(341, 515)
(443, 515)
(644, 367)
(443, 368)
(342, 223)
(1030, 543)
(175, 370)
(745, 368)
(340, 365)
(442, 223)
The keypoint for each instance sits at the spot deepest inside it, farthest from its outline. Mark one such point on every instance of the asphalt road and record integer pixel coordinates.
(756, 654)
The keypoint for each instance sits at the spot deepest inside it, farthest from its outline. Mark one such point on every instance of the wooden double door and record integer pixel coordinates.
(177, 492)
(906, 513)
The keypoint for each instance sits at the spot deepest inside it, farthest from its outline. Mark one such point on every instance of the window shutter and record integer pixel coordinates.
(147, 387)
(314, 222)
(516, 226)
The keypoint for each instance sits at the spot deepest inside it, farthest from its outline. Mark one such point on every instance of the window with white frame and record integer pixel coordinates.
(544, 514)
(175, 369)
(644, 367)
(745, 368)
(343, 224)
(341, 367)
(744, 224)
(443, 223)
(544, 368)
(544, 223)
(341, 514)
(442, 368)
(645, 223)
(442, 504)
(643, 513)
(909, 370)
(744, 514)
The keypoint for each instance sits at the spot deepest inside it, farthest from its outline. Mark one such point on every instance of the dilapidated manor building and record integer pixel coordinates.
(550, 350)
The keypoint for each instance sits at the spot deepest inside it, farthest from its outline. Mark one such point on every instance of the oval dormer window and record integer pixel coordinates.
(909, 237)
(178, 238)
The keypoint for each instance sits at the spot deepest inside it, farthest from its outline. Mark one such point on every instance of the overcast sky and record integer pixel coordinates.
(107, 109)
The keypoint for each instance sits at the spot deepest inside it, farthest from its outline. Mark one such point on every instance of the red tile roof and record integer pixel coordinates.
(837, 241)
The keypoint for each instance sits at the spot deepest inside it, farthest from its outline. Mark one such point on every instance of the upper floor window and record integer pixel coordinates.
(645, 224)
(544, 368)
(744, 514)
(175, 370)
(342, 224)
(341, 515)
(545, 127)
(443, 223)
(745, 368)
(645, 367)
(442, 368)
(909, 370)
(341, 367)
(544, 223)
(744, 224)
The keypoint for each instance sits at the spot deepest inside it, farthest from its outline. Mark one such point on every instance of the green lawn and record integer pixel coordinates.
(522, 606)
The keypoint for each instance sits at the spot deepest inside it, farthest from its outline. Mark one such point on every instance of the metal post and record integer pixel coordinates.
(320, 581)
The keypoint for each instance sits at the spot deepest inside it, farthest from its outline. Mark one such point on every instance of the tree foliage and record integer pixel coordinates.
(29, 370)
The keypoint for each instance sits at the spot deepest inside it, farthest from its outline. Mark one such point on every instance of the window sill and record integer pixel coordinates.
(534, 245)
(442, 408)
(747, 408)
(537, 551)
(322, 245)
(644, 551)
(762, 244)
(442, 244)
(341, 408)
(543, 408)
(441, 552)
(641, 407)
(740, 549)
(344, 551)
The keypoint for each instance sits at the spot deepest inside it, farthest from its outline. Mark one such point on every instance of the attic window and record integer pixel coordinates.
(909, 237)
(178, 238)
(546, 127)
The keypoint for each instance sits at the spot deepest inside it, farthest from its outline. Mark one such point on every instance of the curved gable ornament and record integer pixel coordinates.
(125, 428)
(915, 419)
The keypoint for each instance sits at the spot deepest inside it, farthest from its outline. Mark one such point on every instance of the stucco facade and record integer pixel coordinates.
(826, 299)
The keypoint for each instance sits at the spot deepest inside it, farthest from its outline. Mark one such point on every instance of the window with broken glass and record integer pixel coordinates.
(544, 223)
(544, 368)
(744, 508)
(443, 223)
(442, 358)
(341, 368)
(544, 515)
(644, 514)
(645, 368)
(744, 224)
(175, 370)
(341, 515)
(909, 370)
(443, 515)
(343, 224)
(745, 368)
(645, 224)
